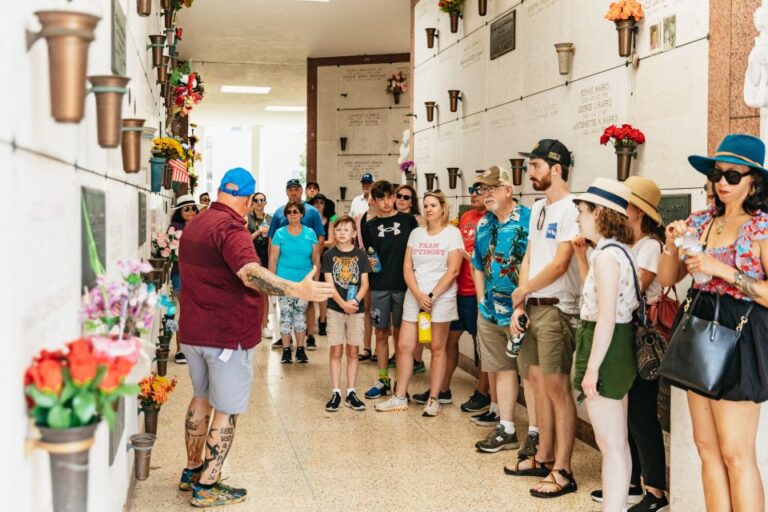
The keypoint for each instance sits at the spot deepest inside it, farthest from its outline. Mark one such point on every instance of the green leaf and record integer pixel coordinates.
(84, 405)
(69, 391)
(60, 417)
(108, 413)
(40, 415)
(41, 399)
(100, 373)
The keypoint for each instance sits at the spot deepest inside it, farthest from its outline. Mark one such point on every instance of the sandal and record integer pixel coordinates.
(537, 468)
(374, 358)
(365, 356)
(559, 489)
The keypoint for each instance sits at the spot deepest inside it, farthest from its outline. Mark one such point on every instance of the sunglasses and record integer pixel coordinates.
(542, 218)
(403, 197)
(732, 177)
(293, 212)
(482, 190)
(259, 201)
(189, 209)
(473, 190)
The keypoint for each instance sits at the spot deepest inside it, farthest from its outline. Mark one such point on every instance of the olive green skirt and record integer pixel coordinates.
(619, 367)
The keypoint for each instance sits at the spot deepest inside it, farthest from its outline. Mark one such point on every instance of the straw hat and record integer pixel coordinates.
(607, 193)
(185, 200)
(646, 196)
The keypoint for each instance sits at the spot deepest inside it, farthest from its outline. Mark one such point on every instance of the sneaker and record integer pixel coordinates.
(189, 477)
(432, 408)
(180, 358)
(421, 398)
(634, 495)
(333, 404)
(380, 389)
(392, 405)
(651, 503)
(311, 343)
(301, 356)
(321, 328)
(418, 367)
(445, 397)
(287, 358)
(392, 361)
(266, 333)
(487, 419)
(530, 445)
(476, 403)
(353, 402)
(498, 440)
(278, 344)
(218, 495)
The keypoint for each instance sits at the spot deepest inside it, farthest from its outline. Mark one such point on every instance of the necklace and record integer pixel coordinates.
(719, 226)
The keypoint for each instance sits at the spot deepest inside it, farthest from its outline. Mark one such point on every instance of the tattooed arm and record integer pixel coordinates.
(262, 280)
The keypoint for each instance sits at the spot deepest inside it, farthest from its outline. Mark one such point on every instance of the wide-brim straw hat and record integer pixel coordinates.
(736, 148)
(646, 196)
(185, 200)
(607, 193)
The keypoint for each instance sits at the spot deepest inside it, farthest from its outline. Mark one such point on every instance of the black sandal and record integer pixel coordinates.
(561, 489)
(537, 468)
(365, 356)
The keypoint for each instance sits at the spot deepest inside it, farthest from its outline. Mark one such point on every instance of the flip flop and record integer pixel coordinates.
(365, 356)
(537, 468)
(560, 489)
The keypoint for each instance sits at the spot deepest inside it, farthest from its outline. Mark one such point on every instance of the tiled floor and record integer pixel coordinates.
(293, 455)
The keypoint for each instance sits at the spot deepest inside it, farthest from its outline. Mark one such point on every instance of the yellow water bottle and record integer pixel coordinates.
(425, 325)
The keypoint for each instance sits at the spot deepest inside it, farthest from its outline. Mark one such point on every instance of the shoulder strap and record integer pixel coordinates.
(643, 317)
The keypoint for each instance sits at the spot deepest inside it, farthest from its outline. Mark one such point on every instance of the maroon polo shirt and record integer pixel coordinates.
(217, 309)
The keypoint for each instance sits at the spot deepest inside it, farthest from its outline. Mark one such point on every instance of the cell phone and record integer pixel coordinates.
(581, 396)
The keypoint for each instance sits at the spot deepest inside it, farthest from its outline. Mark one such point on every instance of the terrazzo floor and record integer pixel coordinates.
(290, 454)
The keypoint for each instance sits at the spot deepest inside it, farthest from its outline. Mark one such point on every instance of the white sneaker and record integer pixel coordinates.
(266, 333)
(432, 408)
(393, 404)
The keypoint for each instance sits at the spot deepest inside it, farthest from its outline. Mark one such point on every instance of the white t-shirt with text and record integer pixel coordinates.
(430, 255)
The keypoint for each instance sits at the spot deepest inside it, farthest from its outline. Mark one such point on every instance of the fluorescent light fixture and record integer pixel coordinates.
(245, 89)
(283, 108)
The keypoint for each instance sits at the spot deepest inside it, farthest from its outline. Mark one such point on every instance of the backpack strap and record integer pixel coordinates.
(643, 317)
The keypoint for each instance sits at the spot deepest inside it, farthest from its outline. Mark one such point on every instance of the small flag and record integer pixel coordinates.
(179, 171)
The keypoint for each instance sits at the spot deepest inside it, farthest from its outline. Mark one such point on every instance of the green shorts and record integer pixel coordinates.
(548, 342)
(619, 367)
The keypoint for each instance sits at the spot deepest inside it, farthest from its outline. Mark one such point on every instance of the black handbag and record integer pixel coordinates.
(700, 351)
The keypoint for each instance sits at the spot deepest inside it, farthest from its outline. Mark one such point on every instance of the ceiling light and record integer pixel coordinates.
(314, 0)
(245, 89)
(283, 108)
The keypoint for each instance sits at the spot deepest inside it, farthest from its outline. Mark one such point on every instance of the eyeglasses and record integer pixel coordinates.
(205, 199)
(189, 209)
(259, 201)
(732, 177)
(293, 212)
(542, 218)
(483, 189)
(403, 197)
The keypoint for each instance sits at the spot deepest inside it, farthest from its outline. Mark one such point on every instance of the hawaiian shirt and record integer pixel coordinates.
(499, 251)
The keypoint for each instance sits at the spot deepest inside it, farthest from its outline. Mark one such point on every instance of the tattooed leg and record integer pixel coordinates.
(195, 430)
(217, 446)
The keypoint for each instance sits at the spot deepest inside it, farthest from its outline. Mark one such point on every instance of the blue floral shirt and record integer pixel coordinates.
(499, 251)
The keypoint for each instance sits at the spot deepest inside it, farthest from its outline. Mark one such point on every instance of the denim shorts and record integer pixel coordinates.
(467, 306)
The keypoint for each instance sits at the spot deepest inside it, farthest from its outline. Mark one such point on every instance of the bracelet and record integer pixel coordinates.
(356, 300)
(737, 278)
(666, 250)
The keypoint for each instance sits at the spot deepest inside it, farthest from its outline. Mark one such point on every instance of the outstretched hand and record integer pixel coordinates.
(314, 291)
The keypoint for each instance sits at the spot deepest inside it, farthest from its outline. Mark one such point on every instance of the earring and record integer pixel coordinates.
(752, 189)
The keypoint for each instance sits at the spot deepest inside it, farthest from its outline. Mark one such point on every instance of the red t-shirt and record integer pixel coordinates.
(218, 310)
(467, 226)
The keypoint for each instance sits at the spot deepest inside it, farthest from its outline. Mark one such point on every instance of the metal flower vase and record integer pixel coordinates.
(624, 156)
(68, 450)
(144, 8)
(430, 106)
(454, 96)
(109, 91)
(150, 418)
(431, 178)
(455, 15)
(431, 36)
(142, 445)
(482, 7)
(626, 31)
(157, 168)
(161, 357)
(156, 43)
(518, 167)
(565, 53)
(131, 144)
(453, 176)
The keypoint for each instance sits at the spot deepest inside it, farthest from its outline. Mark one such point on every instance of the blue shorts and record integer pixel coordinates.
(467, 307)
(176, 282)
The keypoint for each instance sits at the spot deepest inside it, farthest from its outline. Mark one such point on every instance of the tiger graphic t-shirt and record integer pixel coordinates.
(347, 269)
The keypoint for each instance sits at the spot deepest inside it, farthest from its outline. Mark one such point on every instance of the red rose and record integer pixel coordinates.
(81, 347)
(116, 372)
(46, 376)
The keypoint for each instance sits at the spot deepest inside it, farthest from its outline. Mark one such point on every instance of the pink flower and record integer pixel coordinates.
(129, 348)
(171, 230)
(162, 243)
(174, 245)
(165, 252)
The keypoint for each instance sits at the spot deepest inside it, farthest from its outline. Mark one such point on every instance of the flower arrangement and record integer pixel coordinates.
(623, 136)
(178, 4)
(450, 6)
(396, 83)
(624, 10)
(179, 32)
(188, 89)
(167, 147)
(166, 245)
(154, 390)
(408, 166)
(76, 388)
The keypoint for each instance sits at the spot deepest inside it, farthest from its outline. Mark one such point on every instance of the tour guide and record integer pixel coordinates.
(222, 275)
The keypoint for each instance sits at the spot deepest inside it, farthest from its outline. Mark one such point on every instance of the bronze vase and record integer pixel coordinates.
(162, 70)
(69, 34)
(131, 144)
(343, 142)
(165, 4)
(157, 43)
(142, 451)
(109, 91)
(624, 157)
(168, 17)
(454, 95)
(482, 7)
(430, 105)
(161, 356)
(144, 8)
(626, 30)
(518, 166)
(396, 96)
(455, 15)
(453, 176)
(68, 451)
(150, 418)
(431, 35)
(431, 177)
(343, 193)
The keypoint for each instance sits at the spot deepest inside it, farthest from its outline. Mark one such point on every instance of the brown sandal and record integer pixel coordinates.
(537, 468)
(560, 489)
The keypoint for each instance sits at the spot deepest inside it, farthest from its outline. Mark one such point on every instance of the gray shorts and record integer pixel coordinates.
(384, 303)
(226, 385)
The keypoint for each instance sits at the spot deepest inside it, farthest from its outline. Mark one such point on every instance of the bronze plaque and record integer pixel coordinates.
(503, 35)
(119, 50)
(675, 207)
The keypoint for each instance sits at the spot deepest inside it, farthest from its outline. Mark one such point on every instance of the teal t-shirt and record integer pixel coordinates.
(295, 260)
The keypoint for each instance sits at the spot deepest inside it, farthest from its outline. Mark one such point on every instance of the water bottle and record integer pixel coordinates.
(352, 290)
(376, 263)
(515, 343)
(425, 327)
(689, 242)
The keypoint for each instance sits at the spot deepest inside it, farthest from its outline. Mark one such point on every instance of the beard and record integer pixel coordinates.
(543, 183)
(491, 205)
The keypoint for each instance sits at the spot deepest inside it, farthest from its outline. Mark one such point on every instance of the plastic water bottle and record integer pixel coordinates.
(352, 290)
(515, 343)
(376, 263)
(689, 242)
(425, 327)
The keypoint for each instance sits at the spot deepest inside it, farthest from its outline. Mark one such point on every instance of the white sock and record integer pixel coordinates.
(494, 408)
(350, 390)
(337, 390)
(509, 426)
(401, 400)
(533, 430)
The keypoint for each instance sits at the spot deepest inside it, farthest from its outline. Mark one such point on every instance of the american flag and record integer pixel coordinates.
(179, 171)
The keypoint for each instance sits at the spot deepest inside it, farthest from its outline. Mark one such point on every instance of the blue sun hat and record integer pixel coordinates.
(736, 148)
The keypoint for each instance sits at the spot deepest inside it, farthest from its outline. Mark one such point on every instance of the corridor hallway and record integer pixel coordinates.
(290, 454)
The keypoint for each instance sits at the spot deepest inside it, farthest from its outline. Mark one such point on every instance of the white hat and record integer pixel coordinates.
(607, 193)
(185, 200)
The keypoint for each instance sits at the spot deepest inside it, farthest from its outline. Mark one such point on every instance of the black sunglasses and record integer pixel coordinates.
(403, 197)
(189, 209)
(291, 212)
(259, 200)
(542, 218)
(732, 177)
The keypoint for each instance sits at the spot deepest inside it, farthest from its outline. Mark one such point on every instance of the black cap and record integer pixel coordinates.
(318, 197)
(313, 184)
(551, 150)
(293, 183)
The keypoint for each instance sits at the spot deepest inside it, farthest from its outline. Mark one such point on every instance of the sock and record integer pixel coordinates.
(384, 374)
(205, 486)
(533, 430)
(337, 390)
(509, 426)
(494, 408)
(402, 399)
(350, 390)
(198, 469)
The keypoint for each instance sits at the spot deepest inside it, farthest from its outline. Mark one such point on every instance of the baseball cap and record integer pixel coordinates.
(293, 183)
(244, 184)
(551, 150)
(366, 178)
(494, 176)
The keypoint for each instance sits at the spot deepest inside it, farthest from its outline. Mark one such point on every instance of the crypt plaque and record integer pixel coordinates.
(503, 35)
(118, 39)
(675, 207)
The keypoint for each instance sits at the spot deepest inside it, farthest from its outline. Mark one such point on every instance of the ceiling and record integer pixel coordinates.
(267, 43)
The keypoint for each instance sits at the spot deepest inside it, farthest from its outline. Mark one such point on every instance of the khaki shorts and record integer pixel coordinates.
(492, 346)
(549, 341)
(344, 329)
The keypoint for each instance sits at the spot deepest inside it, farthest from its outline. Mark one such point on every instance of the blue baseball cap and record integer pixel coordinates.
(293, 182)
(366, 178)
(242, 179)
